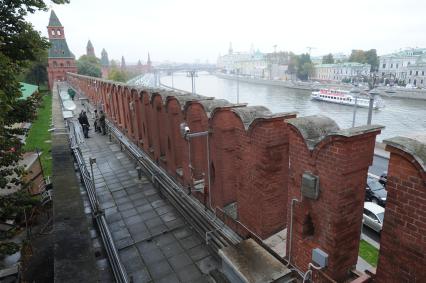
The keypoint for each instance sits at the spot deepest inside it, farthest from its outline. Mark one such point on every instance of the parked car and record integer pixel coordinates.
(373, 216)
(375, 192)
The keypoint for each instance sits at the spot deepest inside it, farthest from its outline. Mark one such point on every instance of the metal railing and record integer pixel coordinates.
(205, 222)
(98, 214)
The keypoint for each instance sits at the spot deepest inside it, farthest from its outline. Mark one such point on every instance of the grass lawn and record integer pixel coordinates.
(368, 252)
(39, 134)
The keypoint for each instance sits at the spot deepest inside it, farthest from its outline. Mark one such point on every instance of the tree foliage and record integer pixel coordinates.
(328, 59)
(20, 45)
(301, 65)
(115, 74)
(89, 66)
(365, 57)
(36, 72)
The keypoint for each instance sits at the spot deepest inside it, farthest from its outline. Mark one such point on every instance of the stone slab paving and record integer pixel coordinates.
(154, 241)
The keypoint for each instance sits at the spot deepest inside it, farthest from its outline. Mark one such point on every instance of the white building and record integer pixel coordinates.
(251, 63)
(338, 58)
(340, 71)
(407, 66)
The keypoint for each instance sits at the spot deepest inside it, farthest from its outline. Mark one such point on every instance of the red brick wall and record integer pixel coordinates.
(58, 72)
(403, 240)
(197, 120)
(251, 167)
(262, 193)
(158, 124)
(333, 221)
(174, 152)
(225, 156)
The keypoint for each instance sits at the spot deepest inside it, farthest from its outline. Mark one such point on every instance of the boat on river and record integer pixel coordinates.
(344, 97)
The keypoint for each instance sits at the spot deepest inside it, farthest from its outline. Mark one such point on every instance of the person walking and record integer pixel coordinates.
(102, 122)
(96, 123)
(84, 121)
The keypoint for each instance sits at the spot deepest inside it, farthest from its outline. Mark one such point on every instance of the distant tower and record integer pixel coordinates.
(139, 66)
(149, 64)
(123, 63)
(230, 51)
(60, 59)
(90, 51)
(104, 63)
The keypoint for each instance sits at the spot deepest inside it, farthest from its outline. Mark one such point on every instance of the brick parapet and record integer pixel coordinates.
(248, 168)
(332, 222)
(403, 241)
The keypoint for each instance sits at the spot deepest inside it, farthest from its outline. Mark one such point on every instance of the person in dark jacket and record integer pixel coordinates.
(102, 122)
(84, 121)
(96, 123)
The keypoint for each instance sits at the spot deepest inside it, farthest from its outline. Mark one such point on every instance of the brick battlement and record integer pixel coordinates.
(251, 164)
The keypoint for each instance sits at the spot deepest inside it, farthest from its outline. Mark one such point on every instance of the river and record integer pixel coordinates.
(400, 116)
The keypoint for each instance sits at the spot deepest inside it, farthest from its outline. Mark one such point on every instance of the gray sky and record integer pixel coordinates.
(187, 30)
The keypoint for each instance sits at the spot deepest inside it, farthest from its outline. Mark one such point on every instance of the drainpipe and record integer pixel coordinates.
(291, 229)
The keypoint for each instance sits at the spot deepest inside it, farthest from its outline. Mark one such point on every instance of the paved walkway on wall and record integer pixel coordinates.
(154, 242)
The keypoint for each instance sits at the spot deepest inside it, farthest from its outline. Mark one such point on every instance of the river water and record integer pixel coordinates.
(400, 116)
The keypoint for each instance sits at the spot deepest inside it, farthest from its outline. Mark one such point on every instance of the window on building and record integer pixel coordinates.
(423, 73)
(397, 65)
(411, 72)
(384, 66)
(53, 32)
(409, 81)
(58, 32)
(391, 66)
(383, 73)
(417, 73)
(62, 64)
(421, 81)
(55, 64)
(68, 63)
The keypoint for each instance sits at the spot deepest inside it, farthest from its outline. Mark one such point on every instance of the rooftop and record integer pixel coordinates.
(54, 21)
(28, 90)
(59, 49)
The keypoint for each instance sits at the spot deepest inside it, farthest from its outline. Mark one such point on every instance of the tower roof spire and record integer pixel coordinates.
(54, 21)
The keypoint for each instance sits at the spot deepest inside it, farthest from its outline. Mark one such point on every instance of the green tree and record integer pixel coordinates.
(89, 66)
(328, 59)
(304, 66)
(365, 57)
(115, 74)
(36, 72)
(292, 63)
(20, 45)
(372, 59)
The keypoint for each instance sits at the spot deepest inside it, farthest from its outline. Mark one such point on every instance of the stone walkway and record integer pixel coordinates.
(154, 241)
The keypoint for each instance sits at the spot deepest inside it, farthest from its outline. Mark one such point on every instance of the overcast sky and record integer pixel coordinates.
(188, 30)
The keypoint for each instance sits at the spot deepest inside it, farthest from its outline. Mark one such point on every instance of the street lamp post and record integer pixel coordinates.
(238, 86)
(355, 91)
(192, 74)
(372, 95)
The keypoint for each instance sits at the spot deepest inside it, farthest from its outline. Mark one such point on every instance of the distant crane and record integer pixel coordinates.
(310, 48)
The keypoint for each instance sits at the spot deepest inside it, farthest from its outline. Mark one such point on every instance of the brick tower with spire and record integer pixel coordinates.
(60, 59)
(104, 64)
(148, 64)
(90, 51)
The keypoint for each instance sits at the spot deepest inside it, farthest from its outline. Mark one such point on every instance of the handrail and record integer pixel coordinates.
(113, 257)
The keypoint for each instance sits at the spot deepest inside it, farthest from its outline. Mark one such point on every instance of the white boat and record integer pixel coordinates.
(345, 97)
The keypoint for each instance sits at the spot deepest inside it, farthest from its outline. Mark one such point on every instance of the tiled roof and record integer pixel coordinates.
(59, 49)
(54, 21)
(27, 90)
